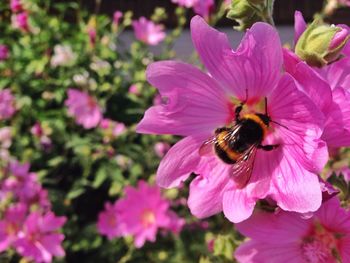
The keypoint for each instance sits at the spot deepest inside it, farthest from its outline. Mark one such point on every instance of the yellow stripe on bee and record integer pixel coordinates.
(223, 143)
(259, 121)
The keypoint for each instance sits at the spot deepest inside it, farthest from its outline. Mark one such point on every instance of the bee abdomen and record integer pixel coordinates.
(226, 155)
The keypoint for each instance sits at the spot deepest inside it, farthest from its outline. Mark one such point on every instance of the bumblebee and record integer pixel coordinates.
(236, 145)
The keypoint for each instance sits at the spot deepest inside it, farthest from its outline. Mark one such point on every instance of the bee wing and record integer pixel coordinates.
(207, 147)
(242, 169)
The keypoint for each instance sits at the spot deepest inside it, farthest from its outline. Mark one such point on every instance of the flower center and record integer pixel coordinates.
(320, 246)
(112, 222)
(148, 218)
(11, 229)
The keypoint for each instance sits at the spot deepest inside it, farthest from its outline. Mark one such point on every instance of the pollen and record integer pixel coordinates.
(148, 218)
(321, 246)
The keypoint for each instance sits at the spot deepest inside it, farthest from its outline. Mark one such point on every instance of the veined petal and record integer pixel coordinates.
(337, 128)
(278, 228)
(259, 252)
(206, 190)
(256, 65)
(303, 124)
(238, 205)
(180, 161)
(195, 102)
(293, 187)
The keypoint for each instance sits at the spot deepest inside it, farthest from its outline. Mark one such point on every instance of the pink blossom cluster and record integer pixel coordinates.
(148, 32)
(87, 113)
(19, 16)
(26, 222)
(111, 129)
(42, 135)
(140, 213)
(201, 7)
(304, 114)
(4, 52)
(7, 104)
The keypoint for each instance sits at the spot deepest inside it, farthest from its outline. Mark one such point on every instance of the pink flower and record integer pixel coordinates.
(327, 89)
(39, 239)
(112, 128)
(204, 7)
(134, 90)
(7, 104)
(185, 3)
(200, 7)
(143, 219)
(344, 2)
(4, 52)
(20, 21)
(199, 104)
(24, 185)
(161, 148)
(116, 17)
(11, 224)
(16, 6)
(148, 32)
(287, 237)
(83, 108)
(108, 223)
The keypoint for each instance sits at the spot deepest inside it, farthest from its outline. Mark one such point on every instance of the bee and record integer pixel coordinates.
(237, 144)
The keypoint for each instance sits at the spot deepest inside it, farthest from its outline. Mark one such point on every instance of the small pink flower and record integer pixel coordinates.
(148, 32)
(7, 104)
(92, 36)
(287, 237)
(24, 185)
(344, 2)
(37, 130)
(133, 89)
(5, 137)
(108, 223)
(119, 129)
(4, 52)
(116, 17)
(204, 8)
(83, 108)
(112, 128)
(143, 219)
(11, 224)
(16, 6)
(200, 7)
(161, 148)
(197, 104)
(20, 21)
(185, 3)
(39, 239)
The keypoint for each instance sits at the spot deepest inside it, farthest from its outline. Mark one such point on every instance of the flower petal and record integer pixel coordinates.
(258, 252)
(274, 228)
(206, 190)
(302, 124)
(179, 162)
(293, 187)
(237, 205)
(299, 26)
(195, 101)
(337, 128)
(254, 67)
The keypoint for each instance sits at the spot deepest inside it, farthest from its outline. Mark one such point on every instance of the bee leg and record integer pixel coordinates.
(268, 147)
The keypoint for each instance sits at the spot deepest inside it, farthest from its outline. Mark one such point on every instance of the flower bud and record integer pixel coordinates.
(240, 9)
(321, 44)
